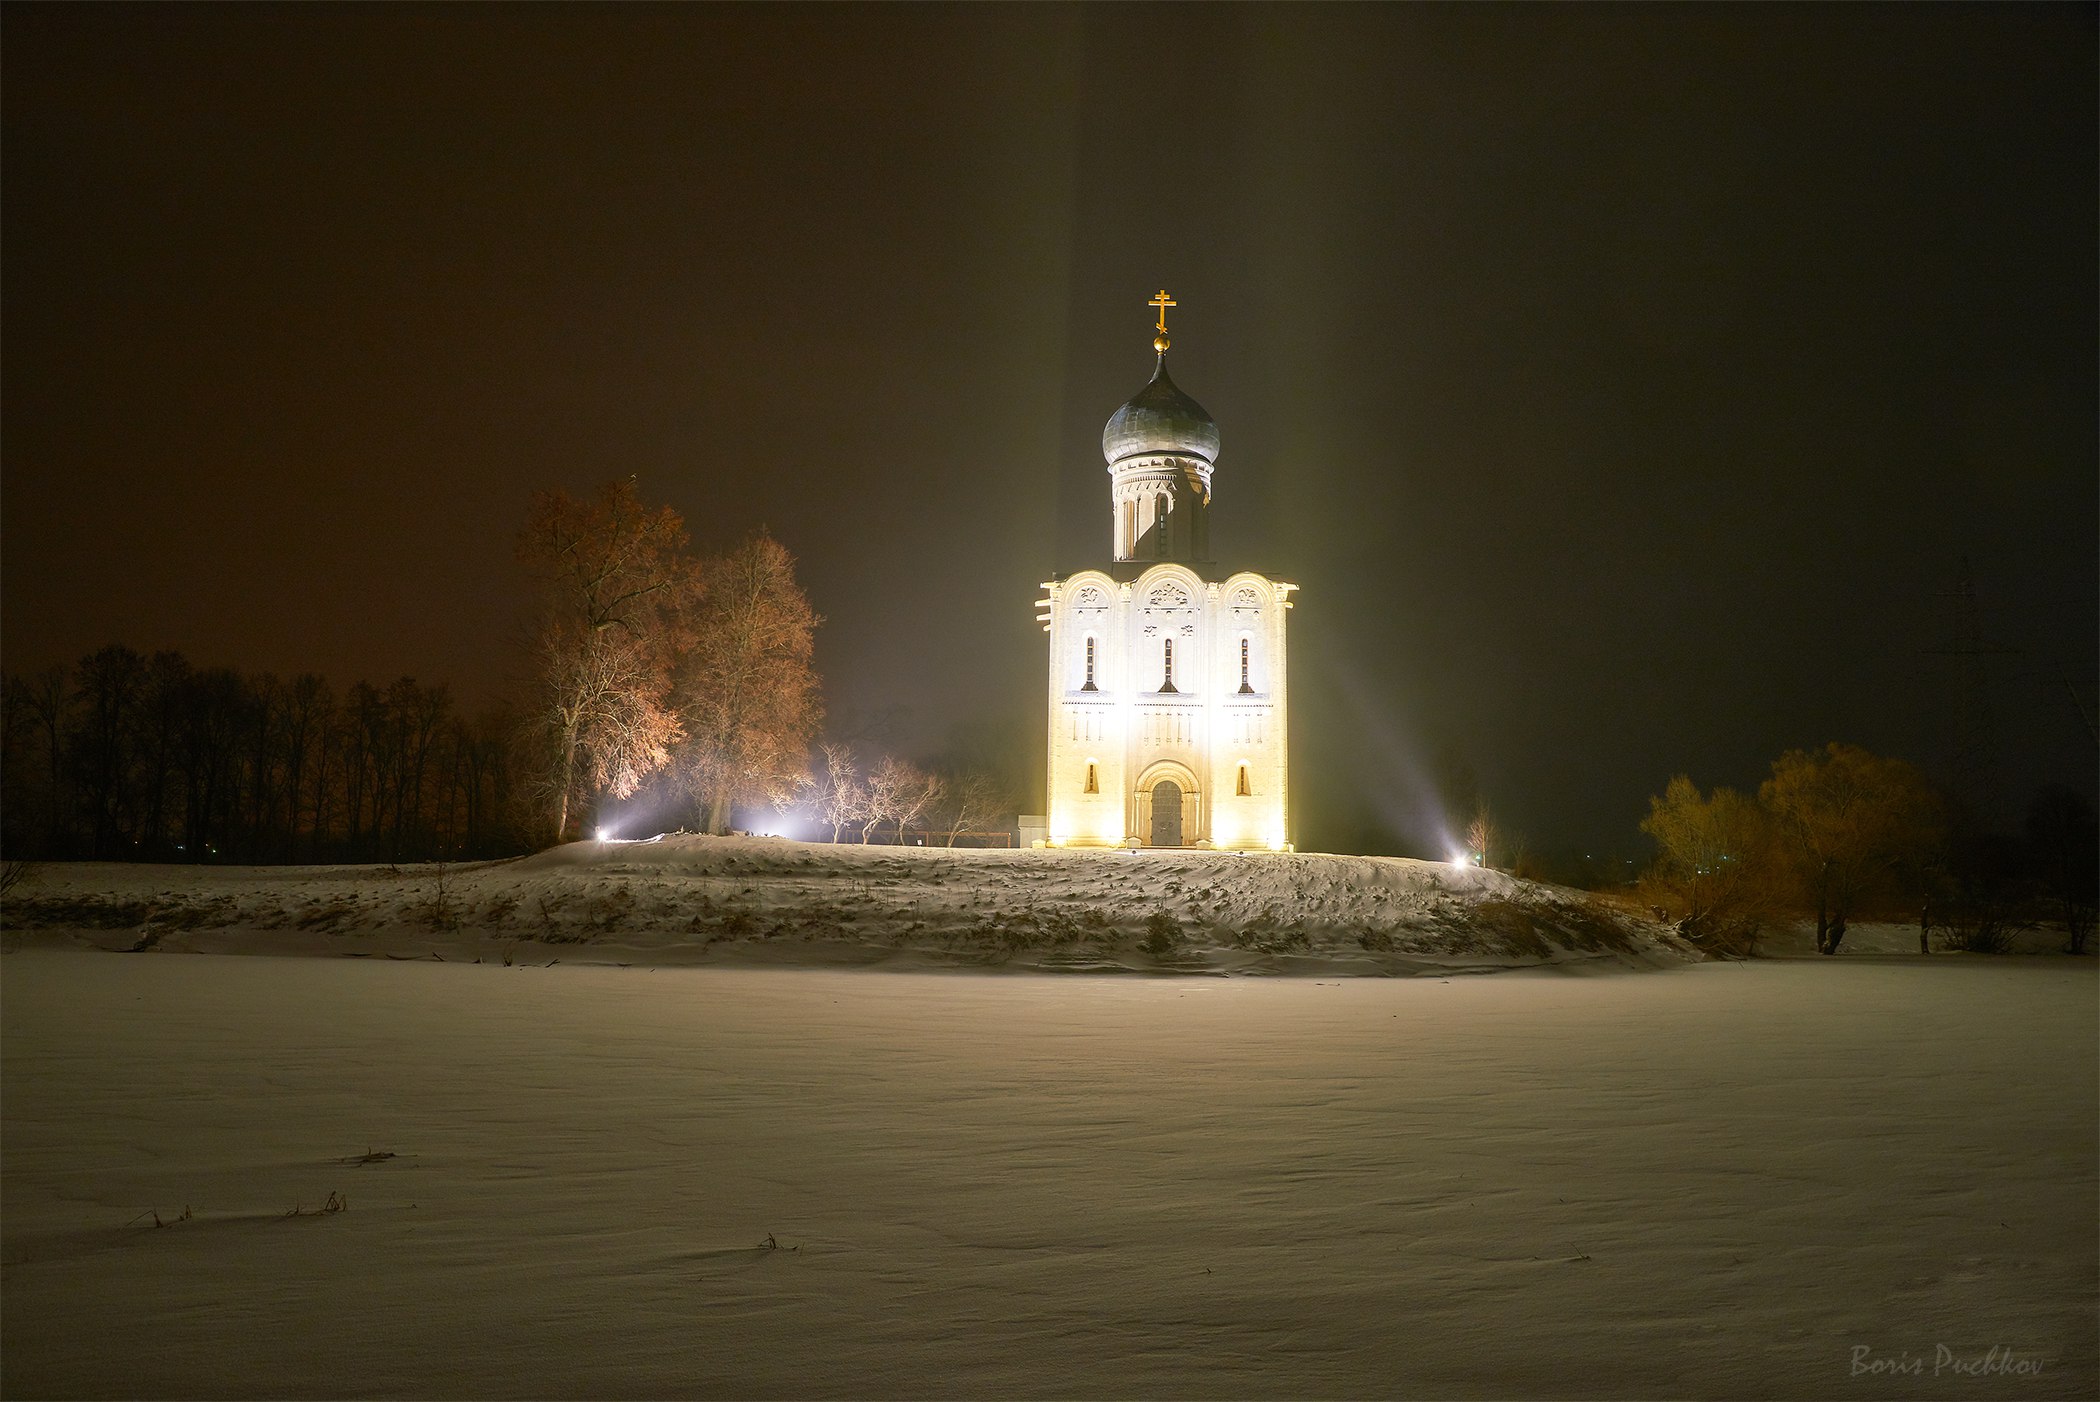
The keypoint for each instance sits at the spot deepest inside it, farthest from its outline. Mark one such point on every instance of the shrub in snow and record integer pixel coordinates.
(13, 874)
(1980, 929)
(441, 910)
(1273, 941)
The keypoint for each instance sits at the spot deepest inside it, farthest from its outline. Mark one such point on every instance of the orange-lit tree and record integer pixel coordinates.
(746, 695)
(1714, 866)
(1849, 823)
(617, 591)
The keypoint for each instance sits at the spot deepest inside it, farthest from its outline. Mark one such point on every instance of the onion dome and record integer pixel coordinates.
(1160, 419)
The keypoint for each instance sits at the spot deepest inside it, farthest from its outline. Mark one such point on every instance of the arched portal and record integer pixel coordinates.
(1166, 814)
(1171, 786)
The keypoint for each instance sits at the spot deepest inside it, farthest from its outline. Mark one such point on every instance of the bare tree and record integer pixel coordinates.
(306, 709)
(43, 704)
(1482, 836)
(262, 743)
(898, 792)
(108, 685)
(918, 792)
(836, 793)
(973, 800)
(616, 589)
(167, 685)
(878, 798)
(747, 693)
(603, 699)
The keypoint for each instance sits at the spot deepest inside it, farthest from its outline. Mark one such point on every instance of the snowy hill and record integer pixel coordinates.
(693, 900)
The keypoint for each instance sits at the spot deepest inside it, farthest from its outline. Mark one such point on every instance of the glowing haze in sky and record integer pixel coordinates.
(1623, 386)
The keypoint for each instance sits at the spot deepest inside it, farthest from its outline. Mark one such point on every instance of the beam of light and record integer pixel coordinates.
(1395, 776)
(605, 834)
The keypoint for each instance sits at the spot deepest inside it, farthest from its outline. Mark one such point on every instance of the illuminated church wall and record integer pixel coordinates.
(1167, 677)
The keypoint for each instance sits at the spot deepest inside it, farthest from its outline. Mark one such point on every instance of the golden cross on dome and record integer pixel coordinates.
(1163, 301)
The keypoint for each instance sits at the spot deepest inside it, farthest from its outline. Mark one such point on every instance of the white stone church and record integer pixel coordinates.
(1167, 683)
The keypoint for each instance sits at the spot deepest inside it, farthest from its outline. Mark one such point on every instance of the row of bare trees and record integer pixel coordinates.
(649, 665)
(901, 795)
(1840, 831)
(125, 756)
(649, 660)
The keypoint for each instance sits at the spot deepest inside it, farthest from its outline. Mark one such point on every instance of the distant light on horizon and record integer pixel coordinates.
(605, 834)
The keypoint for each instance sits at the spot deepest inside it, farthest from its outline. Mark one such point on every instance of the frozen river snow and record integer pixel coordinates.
(1767, 1180)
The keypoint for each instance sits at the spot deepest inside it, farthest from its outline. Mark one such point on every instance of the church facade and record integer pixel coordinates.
(1168, 691)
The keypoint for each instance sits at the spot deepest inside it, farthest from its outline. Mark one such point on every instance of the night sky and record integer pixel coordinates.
(1622, 386)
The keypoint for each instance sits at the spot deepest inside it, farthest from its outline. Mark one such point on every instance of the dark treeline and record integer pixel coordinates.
(127, 757)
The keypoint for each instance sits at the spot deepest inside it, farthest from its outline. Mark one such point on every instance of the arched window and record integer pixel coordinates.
(1246, 688)
(1089, 686)
(1168, 684)
(1159, 527)
(1244, 789)
(1093, 777)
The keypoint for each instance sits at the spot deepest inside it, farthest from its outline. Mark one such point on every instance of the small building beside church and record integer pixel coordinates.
(1168, 690)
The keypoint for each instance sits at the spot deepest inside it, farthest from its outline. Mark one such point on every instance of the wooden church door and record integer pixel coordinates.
(1166, 814)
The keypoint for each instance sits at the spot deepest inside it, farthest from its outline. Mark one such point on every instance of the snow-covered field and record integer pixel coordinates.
(1724, 1180)
(767, 901)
